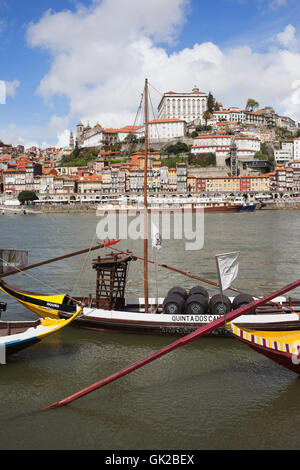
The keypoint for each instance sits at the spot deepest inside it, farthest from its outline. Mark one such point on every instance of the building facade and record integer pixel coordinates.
(167, 129)
(297, 148)
(246, 147)
(185, 106)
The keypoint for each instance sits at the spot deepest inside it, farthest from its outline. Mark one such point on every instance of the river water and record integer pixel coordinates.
(214, 393)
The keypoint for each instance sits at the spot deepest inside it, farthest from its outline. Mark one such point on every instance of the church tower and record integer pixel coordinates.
(79, 132)
(72, 140)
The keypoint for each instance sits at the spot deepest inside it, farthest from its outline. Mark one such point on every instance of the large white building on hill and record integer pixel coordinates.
(185, 106)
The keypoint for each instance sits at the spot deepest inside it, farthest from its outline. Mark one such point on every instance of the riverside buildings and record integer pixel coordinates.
(63, 184)
(179, 115)
(261, 117)
(220, 144)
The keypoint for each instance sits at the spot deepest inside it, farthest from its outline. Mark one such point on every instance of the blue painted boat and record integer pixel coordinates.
(18, 335)
(248, 208)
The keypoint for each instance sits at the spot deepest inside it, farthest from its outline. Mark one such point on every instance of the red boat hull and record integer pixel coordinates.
(285, 359)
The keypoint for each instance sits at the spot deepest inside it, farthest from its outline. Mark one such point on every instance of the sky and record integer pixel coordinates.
(65, 60)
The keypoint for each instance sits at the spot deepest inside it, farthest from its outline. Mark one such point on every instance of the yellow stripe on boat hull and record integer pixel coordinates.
(283, 341)
(28, 300)
(50, 322)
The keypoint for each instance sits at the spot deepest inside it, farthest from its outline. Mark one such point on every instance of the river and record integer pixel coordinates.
(214, 393)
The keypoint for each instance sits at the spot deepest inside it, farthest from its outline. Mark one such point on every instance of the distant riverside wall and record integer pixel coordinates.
(92, 208)
(50, 208)
(278, 205)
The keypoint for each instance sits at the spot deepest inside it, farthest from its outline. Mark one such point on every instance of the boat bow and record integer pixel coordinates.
(45, 306)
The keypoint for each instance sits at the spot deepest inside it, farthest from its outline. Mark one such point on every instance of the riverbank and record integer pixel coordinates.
(49, 209)
(281, 205)
(92, 208)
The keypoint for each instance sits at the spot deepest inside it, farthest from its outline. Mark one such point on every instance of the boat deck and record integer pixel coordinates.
(13, 328)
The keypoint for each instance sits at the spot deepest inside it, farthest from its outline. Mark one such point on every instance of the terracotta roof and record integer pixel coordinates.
(217, 136)
(90, 178)
(157, 121)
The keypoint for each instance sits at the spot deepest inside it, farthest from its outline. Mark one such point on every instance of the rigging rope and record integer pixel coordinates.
(83, 266)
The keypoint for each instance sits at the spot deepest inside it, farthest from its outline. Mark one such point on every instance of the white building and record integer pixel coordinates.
(288, 147)
(124, 132)
(94, 140)
(217, 144)
(240, 116)
(285, 154)
(185, 106)
(220, 145)
(247, 145)
(97, 136)
(297, 148)
(282, 156)
(286, 122)
(229, 115)
(166, 128)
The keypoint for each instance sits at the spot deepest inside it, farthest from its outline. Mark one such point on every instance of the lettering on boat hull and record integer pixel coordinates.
(195, 318)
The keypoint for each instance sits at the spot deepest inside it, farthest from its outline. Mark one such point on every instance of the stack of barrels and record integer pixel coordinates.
(197, 302)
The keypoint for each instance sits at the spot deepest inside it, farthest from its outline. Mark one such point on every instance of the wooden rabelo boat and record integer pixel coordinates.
(18, 335)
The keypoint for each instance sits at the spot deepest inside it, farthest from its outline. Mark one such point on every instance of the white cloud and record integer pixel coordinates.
(102, 54)
(63, 139)
(11, 87)
(278, 3)
(8, 89)
(3, 26)
(287, 37)
(54, 133)
(14, 135)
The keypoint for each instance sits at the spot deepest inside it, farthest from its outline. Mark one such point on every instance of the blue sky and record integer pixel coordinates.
(87, 60)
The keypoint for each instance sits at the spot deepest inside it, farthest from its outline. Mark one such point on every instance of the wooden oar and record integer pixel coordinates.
(204, 330)
(59, 258)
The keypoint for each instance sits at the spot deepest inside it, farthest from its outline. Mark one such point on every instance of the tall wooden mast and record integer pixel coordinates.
(146, 294)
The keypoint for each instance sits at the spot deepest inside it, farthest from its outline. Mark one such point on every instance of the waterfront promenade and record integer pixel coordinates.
(65, 208)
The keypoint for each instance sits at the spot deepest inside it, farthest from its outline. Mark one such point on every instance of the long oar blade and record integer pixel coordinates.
(59, 258)
(204, 330)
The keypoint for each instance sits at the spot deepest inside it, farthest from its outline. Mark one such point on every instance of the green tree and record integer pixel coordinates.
(202, 160)
(206, 116)
(211, 103)
(179, 147)
(252, 104)
(27, 196)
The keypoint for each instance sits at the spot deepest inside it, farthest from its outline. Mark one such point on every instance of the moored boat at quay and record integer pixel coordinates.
(135, 204)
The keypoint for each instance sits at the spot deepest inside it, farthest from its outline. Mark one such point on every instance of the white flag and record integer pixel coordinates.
(12, 259)
(156, 238)
(228, 266)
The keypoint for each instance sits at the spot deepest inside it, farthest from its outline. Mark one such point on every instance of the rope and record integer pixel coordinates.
(83, 266)
(156, 127)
